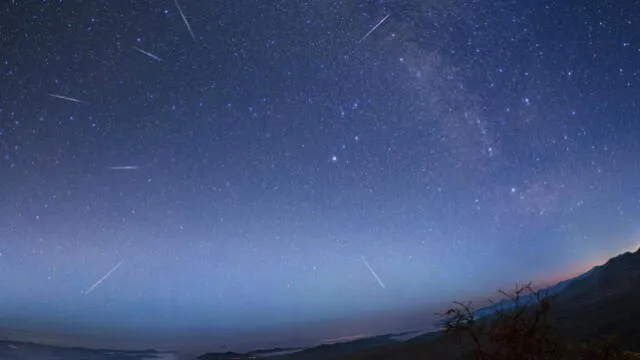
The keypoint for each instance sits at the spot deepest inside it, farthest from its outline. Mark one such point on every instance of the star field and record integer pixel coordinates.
(199, 171)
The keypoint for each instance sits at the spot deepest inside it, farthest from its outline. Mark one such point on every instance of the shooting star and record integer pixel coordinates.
(66, 98)
(374, 28)
(154, 57)
(372, 271)
(124, 168)
(103, 278)
(186, 22)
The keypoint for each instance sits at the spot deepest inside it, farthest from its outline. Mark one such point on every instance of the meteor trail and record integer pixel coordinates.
(66, 98)
(128, 167)
(154, 57)
(366, 263)
(103, 278)
(374, 28)
(186, 22)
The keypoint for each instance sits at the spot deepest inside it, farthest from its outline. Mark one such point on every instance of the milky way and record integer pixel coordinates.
(230, 165)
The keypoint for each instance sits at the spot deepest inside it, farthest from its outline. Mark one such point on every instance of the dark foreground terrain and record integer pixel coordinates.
(594, 316)
(16, 350)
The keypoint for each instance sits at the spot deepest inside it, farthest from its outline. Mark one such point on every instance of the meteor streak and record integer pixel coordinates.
(154, 57)
(123, 168)
(366, 263)
(184, 19)
(103, 278)
(66, 98)
(374, 28)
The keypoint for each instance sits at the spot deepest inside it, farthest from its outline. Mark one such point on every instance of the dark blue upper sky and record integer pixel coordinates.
(204, 169)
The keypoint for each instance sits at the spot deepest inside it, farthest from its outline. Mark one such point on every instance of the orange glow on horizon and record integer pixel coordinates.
(579, 269)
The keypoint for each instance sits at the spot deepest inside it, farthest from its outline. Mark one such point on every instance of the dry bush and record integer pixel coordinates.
(522, 332)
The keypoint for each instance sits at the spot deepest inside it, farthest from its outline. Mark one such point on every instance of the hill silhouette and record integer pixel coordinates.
(605, 302)
(593, 316)
(323, 351)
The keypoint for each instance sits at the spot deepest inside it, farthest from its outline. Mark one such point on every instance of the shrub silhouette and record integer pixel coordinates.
(523, 331)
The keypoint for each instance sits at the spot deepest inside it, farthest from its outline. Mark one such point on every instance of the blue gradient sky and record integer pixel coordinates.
(459, 148)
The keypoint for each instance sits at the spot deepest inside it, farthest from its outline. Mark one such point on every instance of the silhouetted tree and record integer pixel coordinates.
(522, 331)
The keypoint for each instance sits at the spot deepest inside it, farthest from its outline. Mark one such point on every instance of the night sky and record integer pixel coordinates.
(203, 170)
